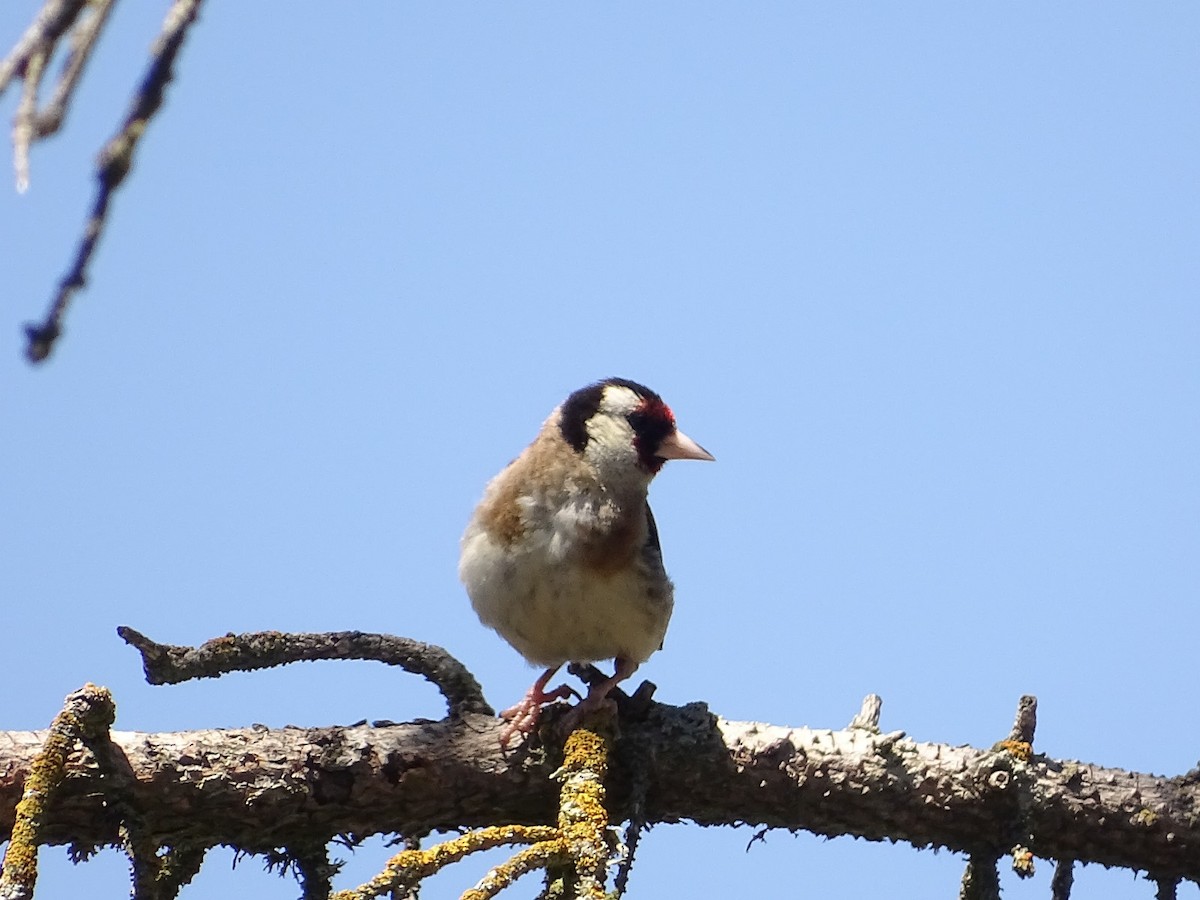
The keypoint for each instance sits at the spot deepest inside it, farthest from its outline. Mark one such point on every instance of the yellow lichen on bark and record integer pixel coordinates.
(408, 867)
(1022, 750)
(579, 840)
(582, 816)
(86, 714)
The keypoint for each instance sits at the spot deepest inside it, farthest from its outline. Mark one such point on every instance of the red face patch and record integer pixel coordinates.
(652, 422)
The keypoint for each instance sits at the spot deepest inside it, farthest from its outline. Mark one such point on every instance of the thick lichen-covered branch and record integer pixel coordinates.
(260, 789)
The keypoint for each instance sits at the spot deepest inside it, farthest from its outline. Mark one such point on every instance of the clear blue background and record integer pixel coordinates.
(924, 277)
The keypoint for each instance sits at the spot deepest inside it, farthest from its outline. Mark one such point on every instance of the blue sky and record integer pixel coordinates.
(923, 277)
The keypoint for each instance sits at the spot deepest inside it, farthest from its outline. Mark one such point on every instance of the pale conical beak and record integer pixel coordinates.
(680, 446)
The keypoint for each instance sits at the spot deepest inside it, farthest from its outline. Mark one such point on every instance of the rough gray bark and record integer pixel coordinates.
(263, 789)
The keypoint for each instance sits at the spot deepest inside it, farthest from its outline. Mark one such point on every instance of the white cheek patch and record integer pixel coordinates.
(609, 431)
(612, 448)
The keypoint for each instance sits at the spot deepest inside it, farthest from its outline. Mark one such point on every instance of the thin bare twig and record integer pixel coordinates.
(28, 61)
(83, 41)
(23, 123)
(114, 163)
(51, 22)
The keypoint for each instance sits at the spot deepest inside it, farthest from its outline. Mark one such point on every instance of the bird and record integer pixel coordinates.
(561, 557)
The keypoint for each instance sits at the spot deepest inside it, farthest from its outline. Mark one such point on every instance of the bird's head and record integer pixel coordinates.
(624, 429)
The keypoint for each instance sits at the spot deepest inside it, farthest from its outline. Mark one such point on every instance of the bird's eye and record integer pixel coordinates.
(651, 424)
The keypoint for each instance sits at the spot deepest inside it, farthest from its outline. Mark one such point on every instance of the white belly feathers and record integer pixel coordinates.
(552, 607)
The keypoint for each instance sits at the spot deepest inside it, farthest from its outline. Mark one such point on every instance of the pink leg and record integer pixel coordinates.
(598, 693)
(523, 718)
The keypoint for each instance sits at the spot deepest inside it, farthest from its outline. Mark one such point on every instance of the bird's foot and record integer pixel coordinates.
(598, 695)
(524, 716)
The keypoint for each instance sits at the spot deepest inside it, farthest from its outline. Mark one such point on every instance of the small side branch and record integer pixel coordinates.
(81, 22)
(1020, 739)
(1063, 880)
(867, 717)
(40, 38)
(159, 873)
(1025, 723)
(82, 42)
(980, 881)
(315, 869)
(86, 716)
(579, 846)
(635, 826)
(168, 664)
(27, 61)
(408, 867)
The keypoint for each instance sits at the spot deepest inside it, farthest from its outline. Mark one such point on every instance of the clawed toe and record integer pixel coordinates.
(524, 716)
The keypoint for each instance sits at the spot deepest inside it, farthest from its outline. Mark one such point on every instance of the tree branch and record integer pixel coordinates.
(261, 788)
(169, 664)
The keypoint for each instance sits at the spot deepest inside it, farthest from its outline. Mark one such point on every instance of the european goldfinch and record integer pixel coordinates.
(561, 557)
